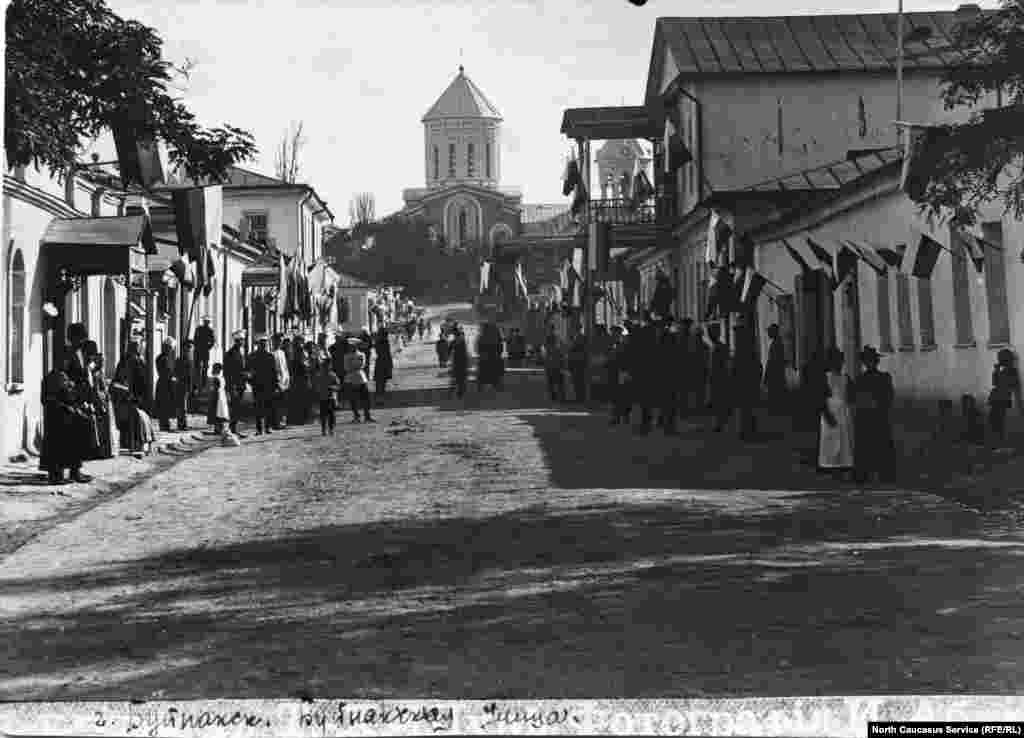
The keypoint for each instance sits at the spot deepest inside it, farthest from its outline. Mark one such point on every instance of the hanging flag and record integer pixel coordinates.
(719, 233)
(893, 255)
(138, 158)
(867, 253)
(571, 178)
(798, 254)
(823, 256)
(923, 150)
(921, 261)
(184, 271)
(198, 218)
(975, 249)
(579, 199)
(577, 262)
(643, 190)
(846, 264)
(753, 284)
(211, 272)
(282, 286)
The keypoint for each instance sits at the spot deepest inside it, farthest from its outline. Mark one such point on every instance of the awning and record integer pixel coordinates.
(261, 275)
(112, 245)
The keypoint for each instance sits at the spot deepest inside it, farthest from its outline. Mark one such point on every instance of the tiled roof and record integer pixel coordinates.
(832, 176)
(809, 43)
(462, 99)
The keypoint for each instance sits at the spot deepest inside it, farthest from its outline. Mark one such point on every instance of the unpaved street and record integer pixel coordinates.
(498, 547)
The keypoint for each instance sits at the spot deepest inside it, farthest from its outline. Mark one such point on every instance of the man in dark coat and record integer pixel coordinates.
(873, 396)
(263, 370)
(67, 425)
(774, 380)
(642, 369)
(671, 369)
(183, 389)
(204, 343)
(235, 369)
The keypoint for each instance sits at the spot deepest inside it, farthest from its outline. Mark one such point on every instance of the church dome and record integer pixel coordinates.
(462, 99)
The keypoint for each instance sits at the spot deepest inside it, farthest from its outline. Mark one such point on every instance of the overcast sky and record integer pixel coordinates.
(361, 75)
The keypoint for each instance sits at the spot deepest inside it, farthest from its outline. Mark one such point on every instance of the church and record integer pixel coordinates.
(463, 199)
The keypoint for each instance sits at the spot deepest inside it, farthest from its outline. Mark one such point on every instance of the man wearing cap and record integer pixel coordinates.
(235, 367)
(283, 378)
(873, 396)
(263, 370)
(204, 343)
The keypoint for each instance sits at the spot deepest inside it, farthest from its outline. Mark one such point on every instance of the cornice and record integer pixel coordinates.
(32, 195)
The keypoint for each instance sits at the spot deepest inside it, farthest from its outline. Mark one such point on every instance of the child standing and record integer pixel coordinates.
(218, 413)
(327, 386)
(1005, 387)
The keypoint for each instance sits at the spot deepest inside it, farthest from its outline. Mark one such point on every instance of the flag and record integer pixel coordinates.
(642, 188)
(923, 150)
(893, 255)
(921, 261)
(975, 248)
(579, 199)
(282, 285)
(753, 284)
(138, 158)
(867, 252)
(184, 271)
(721, 293)
(211, 272)
(577, 262)
(823, 256)
(799, 255)
(198, 218)
(719, 233)
(571, 178)
(563, 276)
(676, 153)
(846, 263)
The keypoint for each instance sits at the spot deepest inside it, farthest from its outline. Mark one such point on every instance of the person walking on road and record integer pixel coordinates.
(282, 346)
(835, 435)
(460, 363)
(263, 366)
(384, 368)
(205, 340)
(554, 367)
(235, 378)
(490, 365)
(165, 394)
(327, 388)
(873, 396)
(356, 381)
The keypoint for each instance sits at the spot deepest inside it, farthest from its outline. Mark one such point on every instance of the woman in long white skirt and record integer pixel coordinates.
(835, 438)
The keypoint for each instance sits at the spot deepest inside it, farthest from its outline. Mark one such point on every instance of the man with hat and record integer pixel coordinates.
(263, 370)
(235, 368)
(204, 343)
(873, 396)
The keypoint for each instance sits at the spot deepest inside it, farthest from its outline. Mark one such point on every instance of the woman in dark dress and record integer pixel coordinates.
(100, 401)
(166, 386)
(872, 430)
(299, 392)
(384, 367)
(491, 368)
(129, 393)
(63, 419)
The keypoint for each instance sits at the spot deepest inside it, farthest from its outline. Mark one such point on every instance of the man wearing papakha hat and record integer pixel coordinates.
(235, 369)
(873, 396)
(263, 373)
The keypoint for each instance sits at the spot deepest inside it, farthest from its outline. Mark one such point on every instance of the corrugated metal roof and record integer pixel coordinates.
(832, 176)
(808, 43)
(124, 231)
(462, 99)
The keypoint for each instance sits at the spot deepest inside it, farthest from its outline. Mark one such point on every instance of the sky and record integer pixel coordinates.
(361, 75)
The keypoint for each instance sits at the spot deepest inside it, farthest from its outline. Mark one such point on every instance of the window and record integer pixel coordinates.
(884, 319)
(470, 162)
(995, 284)
(437, 163)
(961, 291)
(487, 160)
(451, 160)
(903, 311)
(16, 319)
(463, 224)
(258, 226)
(926, 311)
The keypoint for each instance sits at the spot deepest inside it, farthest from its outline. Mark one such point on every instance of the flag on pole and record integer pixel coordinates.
(211, 272)
(718, 236)
(577, 262)
(867, 252)
(571, 177)
(975, 249)
(801, 254)
(198, 218)
(846, 264)
(824, 257)
(893, 255)
(921, 257)
(282, 285)
(138, 157)
(922, 151)
(753, 284)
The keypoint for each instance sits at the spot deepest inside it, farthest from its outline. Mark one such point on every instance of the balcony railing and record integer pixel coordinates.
(623, 211)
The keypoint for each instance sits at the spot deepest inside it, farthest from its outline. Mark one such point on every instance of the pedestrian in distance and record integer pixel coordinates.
(774, 380)
(166, 394)
(99, 399)
(460, 363)
(554, 367)
(184, 373)
(205, 340)
(873, 398)
(235, 375)
(356, 382)
(1006, 388)
(284, 381)
(327, 387)
(263, 369)
(442, 349)
(68, 425)
(383, 369)
(219, 411)
(836, 431)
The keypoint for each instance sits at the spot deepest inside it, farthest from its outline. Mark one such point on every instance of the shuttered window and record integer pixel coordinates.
(961, 291)
(906, 326)
(995, 284)
(884, 317)
(926, 312)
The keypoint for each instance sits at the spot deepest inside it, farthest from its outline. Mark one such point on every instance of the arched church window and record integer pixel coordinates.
(437, 163)
(463, 226)
(16, 319)
(470, 160)
(451, 160)
(487, 160)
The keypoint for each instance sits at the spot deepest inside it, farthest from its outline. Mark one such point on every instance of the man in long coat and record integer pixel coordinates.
(263, 369)
(235, 368)
(183, 390)
(66, 422)
(204, 343)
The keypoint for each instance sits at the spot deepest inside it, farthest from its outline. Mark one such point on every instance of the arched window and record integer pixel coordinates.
(110, 320)
(470, 160)
(487, 160)
(437, 163)
(16, 319)
(451, 160)
(463, 226)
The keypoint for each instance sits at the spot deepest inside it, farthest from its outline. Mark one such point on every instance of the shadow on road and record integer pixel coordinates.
(685, 599)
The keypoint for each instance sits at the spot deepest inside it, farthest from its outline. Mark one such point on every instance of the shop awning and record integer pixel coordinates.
(612, 123)
(111, 245)
(261, 275)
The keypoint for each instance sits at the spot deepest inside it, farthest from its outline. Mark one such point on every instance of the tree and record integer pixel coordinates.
(289, 151)
(362, 209)
(76, 69)
(977, 162)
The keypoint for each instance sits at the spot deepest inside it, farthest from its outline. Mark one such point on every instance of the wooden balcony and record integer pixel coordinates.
(623, 211)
